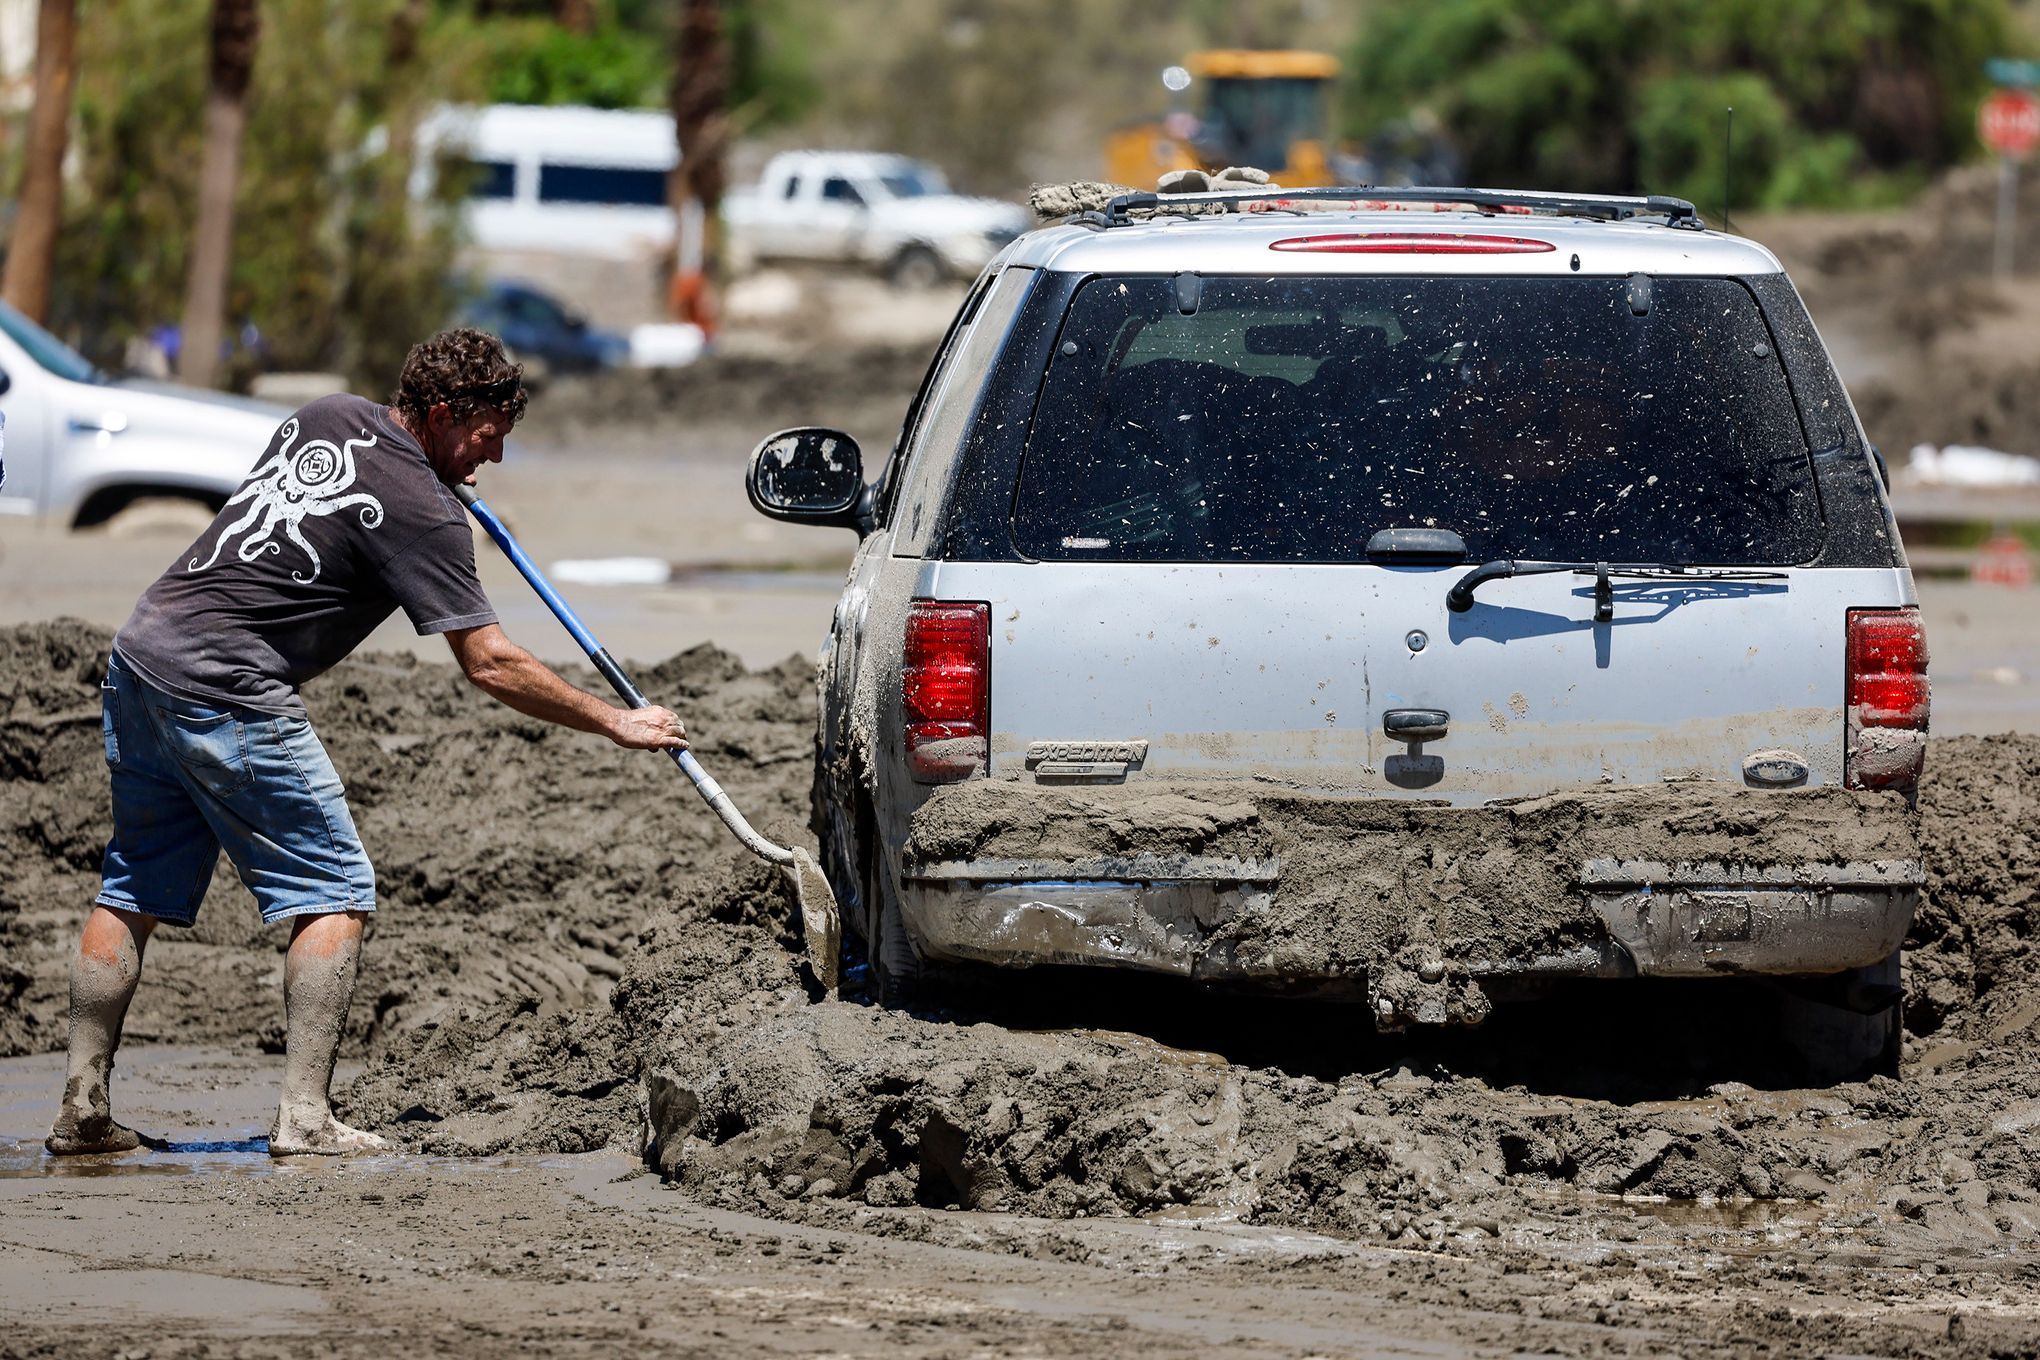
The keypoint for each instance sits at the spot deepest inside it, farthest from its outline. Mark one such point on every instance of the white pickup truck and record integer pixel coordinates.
(884, 212)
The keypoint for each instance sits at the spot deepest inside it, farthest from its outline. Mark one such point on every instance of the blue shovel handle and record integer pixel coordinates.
(710, 791)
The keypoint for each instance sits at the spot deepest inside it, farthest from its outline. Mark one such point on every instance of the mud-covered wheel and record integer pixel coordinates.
(1849, 1027)
(903, 981)
(915, 268)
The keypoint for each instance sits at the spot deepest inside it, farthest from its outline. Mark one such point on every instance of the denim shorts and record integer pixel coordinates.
(191, 779)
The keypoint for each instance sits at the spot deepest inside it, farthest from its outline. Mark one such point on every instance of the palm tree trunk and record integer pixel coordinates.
(701, 126)
(576, 16)
(32, 249)
(400, 59)
(236, 29)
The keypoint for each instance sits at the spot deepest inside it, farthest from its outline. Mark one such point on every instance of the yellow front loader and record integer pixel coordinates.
(1234, 107)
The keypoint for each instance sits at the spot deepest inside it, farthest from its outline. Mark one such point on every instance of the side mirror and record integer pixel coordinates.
(1876, 455)
(808, 475)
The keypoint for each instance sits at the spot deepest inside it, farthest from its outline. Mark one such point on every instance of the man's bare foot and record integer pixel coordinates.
(78, 1136)
(328, 1139)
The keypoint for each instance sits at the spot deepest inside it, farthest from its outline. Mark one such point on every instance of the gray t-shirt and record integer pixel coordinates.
(341, 522)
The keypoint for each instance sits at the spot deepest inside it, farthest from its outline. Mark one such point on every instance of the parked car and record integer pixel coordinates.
(868, 210)
(545, 335)
(1421, 609)
(81, 445)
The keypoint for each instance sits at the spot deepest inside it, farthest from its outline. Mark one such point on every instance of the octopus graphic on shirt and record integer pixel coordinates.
(295, 483)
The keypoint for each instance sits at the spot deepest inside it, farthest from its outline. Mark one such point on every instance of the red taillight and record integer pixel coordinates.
(1887, 698)
(1413, 243)
(946, 689)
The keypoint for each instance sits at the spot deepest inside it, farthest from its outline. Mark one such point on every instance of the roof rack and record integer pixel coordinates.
(1677, 212)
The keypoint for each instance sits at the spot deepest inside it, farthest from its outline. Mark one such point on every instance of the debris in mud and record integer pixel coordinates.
(1051, 201)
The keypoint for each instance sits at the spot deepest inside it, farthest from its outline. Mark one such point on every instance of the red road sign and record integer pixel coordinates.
(2009, 123)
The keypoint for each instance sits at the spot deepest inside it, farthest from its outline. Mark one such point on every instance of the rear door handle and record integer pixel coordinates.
(1415, 724)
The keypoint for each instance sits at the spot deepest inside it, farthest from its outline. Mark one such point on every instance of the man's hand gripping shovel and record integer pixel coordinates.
(821, 923)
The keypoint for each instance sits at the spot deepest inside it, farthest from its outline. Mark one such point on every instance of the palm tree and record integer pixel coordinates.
(236, 31)
(32, 250)
(701, 125)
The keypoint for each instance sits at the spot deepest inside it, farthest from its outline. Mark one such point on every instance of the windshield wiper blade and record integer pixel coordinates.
(1460, 598)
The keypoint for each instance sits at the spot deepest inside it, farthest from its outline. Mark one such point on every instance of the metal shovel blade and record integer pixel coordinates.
(820, 920)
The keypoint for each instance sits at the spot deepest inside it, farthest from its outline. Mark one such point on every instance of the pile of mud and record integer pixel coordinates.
(755, 1094)
(525, 991)
(853, 387)
(515, 860)
(1936, 349)
(1375, 888)
(804, 1105)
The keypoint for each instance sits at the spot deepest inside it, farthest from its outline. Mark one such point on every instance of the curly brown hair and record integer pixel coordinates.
(465, 369)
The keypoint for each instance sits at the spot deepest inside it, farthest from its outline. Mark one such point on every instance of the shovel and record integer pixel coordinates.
(821, 923)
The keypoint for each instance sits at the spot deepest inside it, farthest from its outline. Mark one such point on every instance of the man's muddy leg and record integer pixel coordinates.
(318, 984)
(103, 978)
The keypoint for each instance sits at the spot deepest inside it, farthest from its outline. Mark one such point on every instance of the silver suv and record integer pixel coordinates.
(1287, 592)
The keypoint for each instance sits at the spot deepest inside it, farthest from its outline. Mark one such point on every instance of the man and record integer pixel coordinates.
(349, 516)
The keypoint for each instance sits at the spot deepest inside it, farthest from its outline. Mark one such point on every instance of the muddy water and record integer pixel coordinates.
(568, 957)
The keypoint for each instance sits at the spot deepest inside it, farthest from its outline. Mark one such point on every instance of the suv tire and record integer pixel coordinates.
(900, 977)
(1849, 1027)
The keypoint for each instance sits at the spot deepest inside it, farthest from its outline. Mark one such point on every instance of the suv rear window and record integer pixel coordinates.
(1288, 419)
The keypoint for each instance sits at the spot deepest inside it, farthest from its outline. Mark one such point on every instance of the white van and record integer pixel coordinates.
(563, 179)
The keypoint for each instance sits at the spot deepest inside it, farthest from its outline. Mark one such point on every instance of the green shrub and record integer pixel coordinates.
(1837, 102)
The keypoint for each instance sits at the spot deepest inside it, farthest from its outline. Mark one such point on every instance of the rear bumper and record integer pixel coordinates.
(1422, 909)
(1223, 920)
(1697, 920)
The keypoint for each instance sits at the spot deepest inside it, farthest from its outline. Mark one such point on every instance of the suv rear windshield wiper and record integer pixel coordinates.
(1460, 598)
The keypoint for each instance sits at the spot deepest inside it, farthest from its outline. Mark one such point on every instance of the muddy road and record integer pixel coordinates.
(568, 960)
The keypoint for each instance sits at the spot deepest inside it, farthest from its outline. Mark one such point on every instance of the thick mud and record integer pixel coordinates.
(1935, 349)
(856, 387)
(569, 954)
(793, 1108)
(515, 861)
(758, 1096)
(1348, 887)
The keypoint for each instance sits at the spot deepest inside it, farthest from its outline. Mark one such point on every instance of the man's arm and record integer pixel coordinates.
(500, 668)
